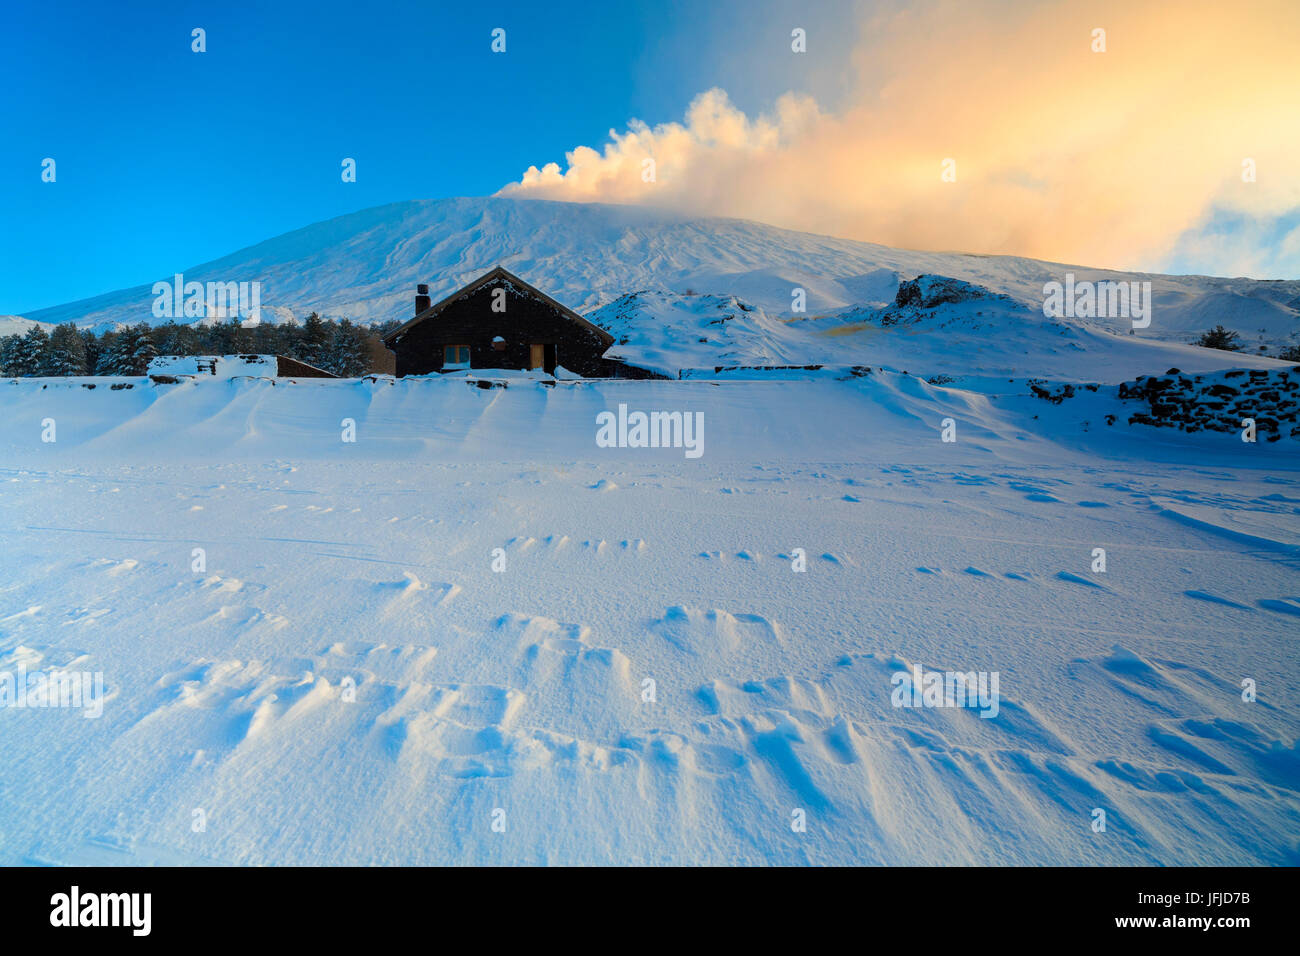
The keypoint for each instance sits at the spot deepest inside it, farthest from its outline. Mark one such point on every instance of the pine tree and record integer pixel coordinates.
(240, 339)
(347, 355)
(385, 327)
(220, 340)
(143, 350)
(105, 363)
(31, 353)
(9, 354)
(1220, 338)
(314, 343)
(67, 352)
(90, 343)
(112, 361)
(173, 339)
(130, 353)
(269, 339)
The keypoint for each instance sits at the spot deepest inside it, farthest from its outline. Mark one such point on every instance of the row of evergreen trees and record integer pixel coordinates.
(339, 347)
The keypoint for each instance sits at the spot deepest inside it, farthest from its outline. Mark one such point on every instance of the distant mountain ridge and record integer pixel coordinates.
(365, 266)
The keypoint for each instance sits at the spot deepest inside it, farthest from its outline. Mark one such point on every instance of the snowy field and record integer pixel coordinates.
(347, 679)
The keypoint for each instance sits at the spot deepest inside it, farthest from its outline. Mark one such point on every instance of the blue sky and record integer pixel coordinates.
(168, 158)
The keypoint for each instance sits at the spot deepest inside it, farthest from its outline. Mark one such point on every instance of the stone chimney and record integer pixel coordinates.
(422, 300)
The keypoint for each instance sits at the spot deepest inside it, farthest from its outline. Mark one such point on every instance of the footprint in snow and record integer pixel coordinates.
(1214, 599)
(1077, 579)
(1286, 605)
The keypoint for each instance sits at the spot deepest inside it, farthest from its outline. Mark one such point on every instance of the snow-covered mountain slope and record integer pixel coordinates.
(987, 335)
(365, 266)
(371, 652)
(17, 325)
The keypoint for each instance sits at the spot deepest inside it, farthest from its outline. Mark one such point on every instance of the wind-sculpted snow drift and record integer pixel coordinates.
(474, 635)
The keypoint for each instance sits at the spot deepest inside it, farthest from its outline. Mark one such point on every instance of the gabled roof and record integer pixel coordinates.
(488, 277)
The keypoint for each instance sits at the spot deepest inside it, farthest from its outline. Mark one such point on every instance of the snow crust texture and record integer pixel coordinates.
(472, 635)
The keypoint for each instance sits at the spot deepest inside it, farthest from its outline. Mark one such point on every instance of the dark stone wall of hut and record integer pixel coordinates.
(613, 368)
(525, 321)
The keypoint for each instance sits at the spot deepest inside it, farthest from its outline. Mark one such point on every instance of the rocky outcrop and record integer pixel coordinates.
(930, 291)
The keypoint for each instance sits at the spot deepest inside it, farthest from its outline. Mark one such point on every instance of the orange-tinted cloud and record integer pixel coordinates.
(1060, 152)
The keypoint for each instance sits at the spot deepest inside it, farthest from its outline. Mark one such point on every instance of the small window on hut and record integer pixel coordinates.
(455, 356)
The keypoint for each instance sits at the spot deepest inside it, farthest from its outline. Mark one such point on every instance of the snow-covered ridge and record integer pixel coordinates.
(17, 325)
(365, 266)
(750, 413)
(933, 326)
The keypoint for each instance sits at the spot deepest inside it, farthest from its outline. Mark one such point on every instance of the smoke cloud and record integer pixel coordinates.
(1134, 157)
